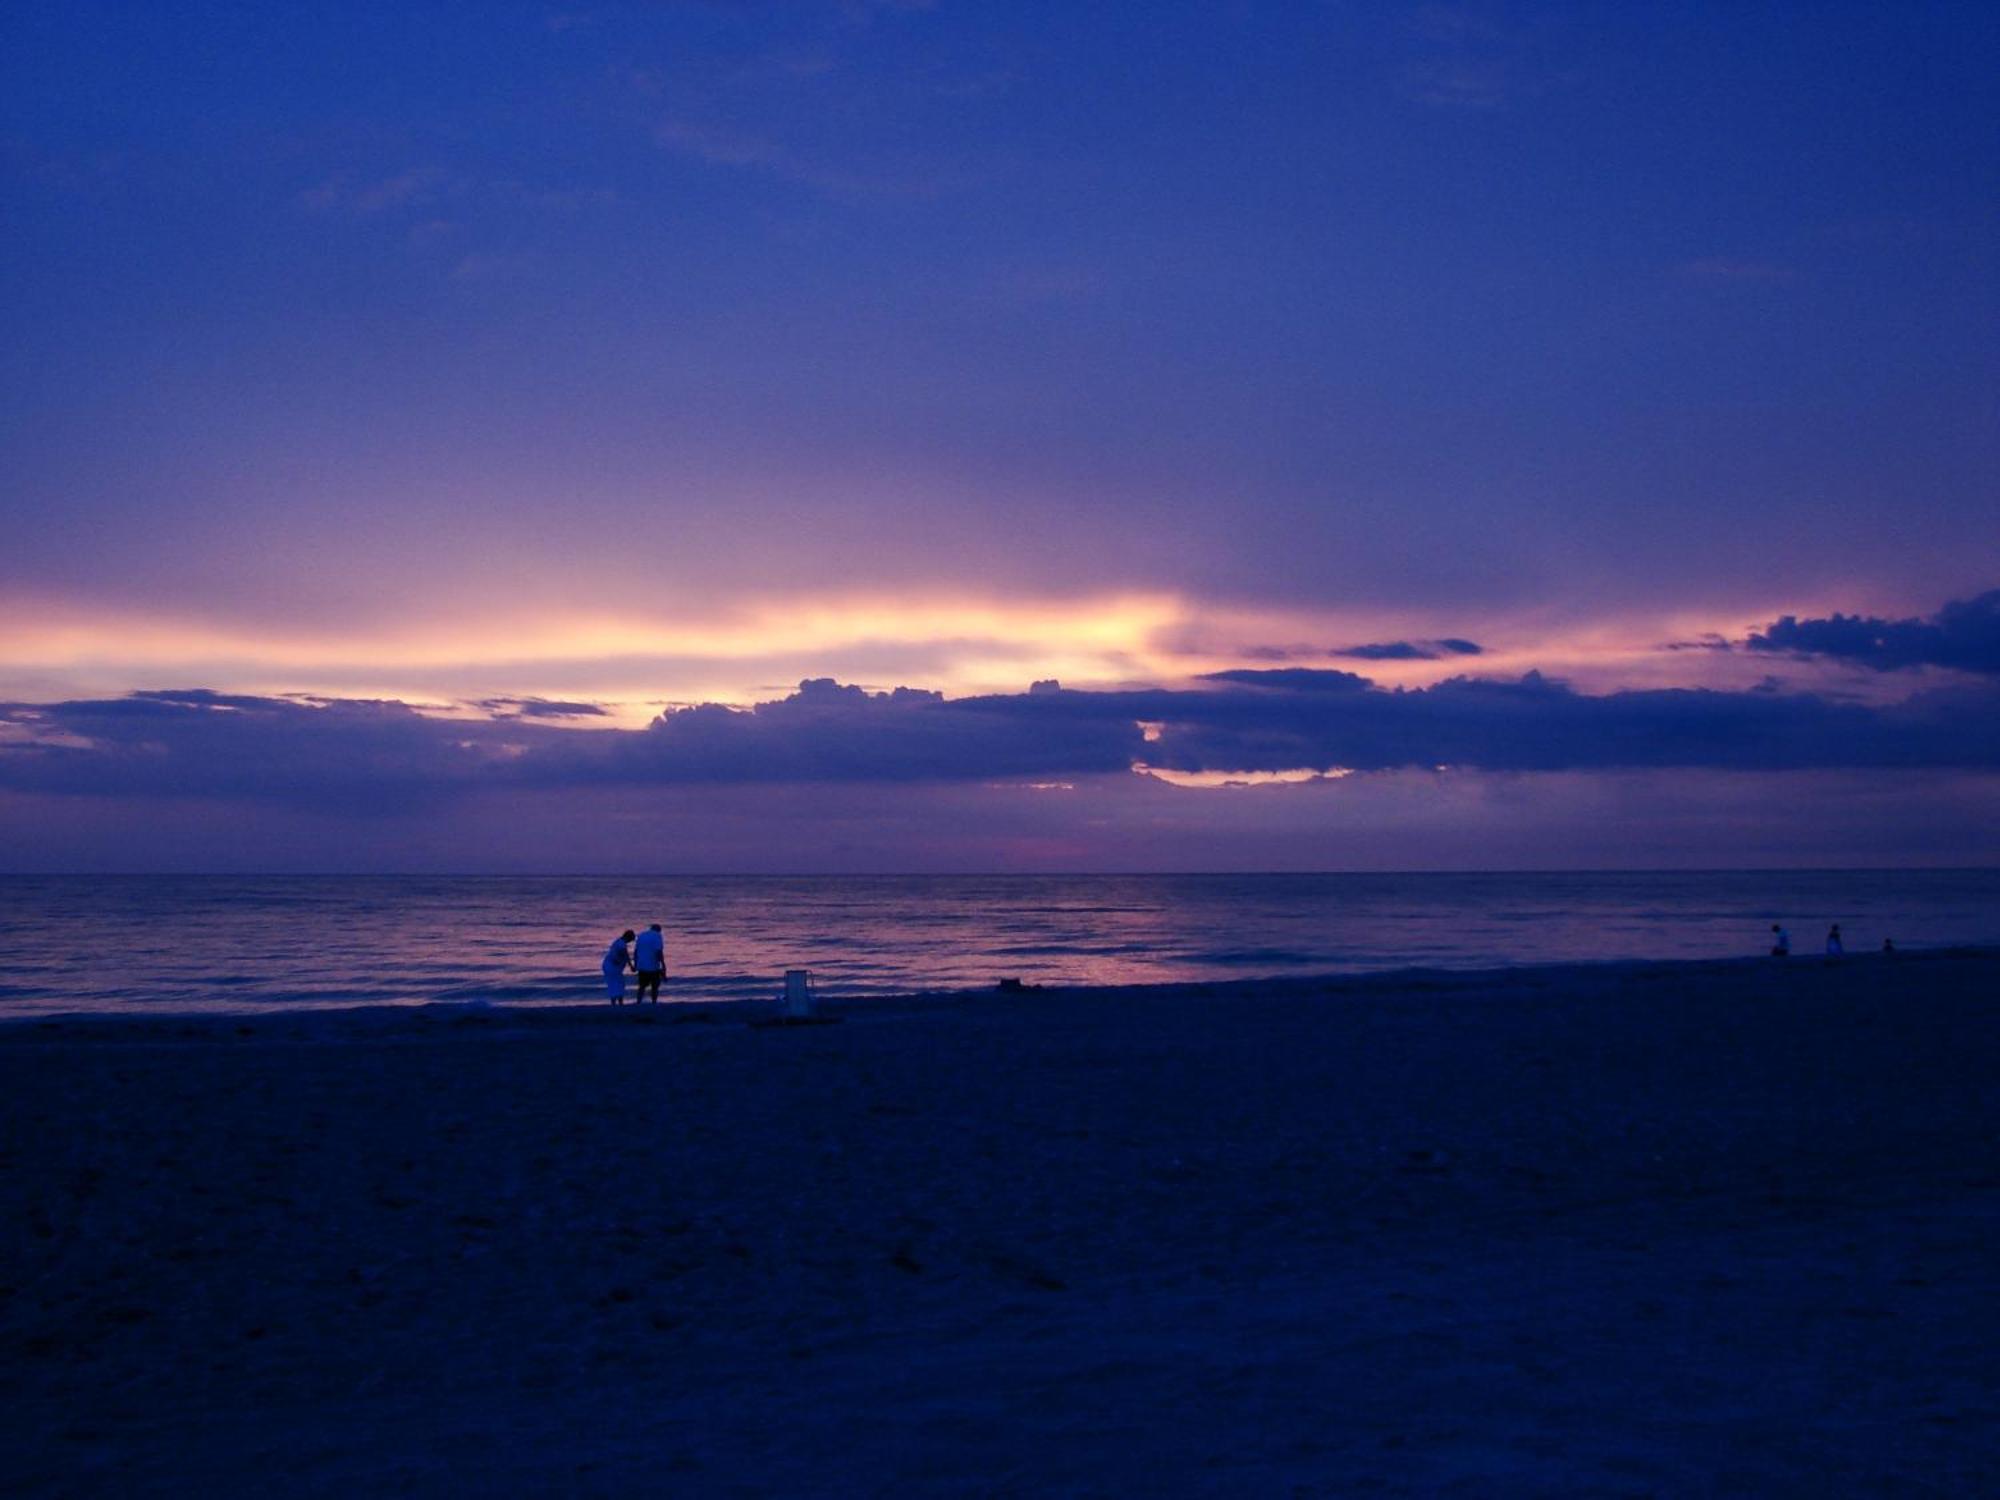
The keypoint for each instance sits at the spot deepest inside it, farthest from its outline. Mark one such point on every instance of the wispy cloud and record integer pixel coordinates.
(724, 148)
(1461, 57)
(348, 193)
(540, 708)
(1438, 650)
(470, 226)
(1045, 283)
(1443, 649)
(718, 146)
(494, 265)
(866, 12)
(1707, 641)
(426, 189)
(1726, 268)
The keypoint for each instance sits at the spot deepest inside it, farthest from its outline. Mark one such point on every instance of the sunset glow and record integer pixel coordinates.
(861, 395)
(962, 647)
(1214, 780)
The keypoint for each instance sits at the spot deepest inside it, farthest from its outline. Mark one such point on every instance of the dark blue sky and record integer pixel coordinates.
(654, 353)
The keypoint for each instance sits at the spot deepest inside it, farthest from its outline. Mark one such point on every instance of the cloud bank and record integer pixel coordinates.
(1964, 636)
(369, 756)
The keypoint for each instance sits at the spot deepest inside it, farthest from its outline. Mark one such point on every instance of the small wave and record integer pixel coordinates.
(1244, 957)
(1087, 950)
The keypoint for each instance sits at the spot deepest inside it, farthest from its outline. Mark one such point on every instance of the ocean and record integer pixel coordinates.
(206, 943)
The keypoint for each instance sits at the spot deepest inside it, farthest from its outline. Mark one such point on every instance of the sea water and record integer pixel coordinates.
(97, 943)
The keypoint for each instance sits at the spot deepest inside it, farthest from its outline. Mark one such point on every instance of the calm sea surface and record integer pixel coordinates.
(75, 943)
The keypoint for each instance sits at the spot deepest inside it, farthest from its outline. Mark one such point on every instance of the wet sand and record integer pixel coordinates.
(1620, 1230)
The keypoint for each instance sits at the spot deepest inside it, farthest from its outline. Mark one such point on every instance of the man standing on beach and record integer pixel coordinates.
(617, 959)
(649, 958)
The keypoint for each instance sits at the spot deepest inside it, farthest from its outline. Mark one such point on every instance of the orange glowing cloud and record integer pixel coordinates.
(634, 662)
(1215, 780)
(961, 646)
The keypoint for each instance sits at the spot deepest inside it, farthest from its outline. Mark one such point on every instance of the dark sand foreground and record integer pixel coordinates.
(1673, 1230)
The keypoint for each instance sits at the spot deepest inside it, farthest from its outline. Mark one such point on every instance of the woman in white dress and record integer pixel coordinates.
(617, 959)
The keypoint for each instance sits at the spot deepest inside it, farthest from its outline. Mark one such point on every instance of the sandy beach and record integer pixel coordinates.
(1698, 1229)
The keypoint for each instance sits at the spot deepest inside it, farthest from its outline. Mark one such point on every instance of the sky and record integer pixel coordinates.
(885, 435)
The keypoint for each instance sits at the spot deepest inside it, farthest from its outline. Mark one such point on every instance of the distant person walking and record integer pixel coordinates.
(617, 959)
(1781, 942)
(649, 959)
(1833, 945)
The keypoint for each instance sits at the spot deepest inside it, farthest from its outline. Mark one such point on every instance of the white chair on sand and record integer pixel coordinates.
(796, 1004)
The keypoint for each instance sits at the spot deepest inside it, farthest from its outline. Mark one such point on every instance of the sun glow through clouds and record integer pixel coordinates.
(1212, 780)
(633, 666)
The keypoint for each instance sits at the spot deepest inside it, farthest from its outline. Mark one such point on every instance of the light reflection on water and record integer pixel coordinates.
(188, 942)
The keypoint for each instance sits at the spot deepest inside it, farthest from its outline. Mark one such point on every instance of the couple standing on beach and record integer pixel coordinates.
(645, 956)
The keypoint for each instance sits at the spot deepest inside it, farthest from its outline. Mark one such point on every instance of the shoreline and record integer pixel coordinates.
(1342, 984)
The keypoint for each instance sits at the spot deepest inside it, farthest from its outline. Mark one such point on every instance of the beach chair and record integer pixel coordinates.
(796, 1004)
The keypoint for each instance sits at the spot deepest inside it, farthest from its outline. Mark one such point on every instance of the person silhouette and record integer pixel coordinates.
(649, 961)
(1833, 945)
(617, 959)
(1781, 942)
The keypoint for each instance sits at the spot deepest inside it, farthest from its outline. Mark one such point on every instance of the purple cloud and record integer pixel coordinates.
(385, 756)
(1964, 636)
(348, 754)
(1437, 650)
(1538, 724)
(830, 732)
(539, 708)
(1411, 650)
